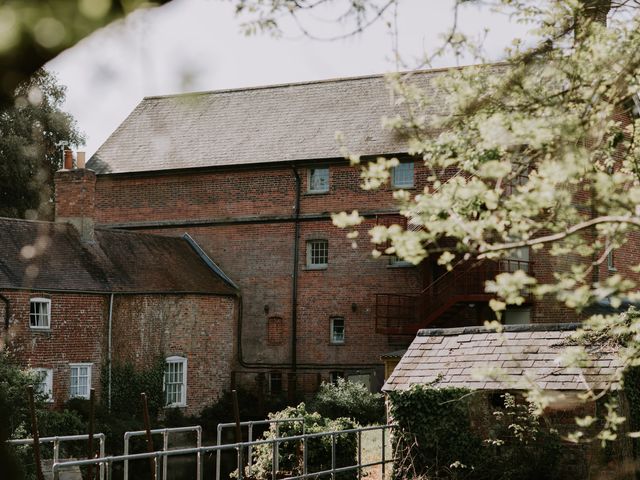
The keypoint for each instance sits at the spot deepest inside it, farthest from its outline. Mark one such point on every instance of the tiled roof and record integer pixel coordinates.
(280, 123)
(525, 355)
(51, 256)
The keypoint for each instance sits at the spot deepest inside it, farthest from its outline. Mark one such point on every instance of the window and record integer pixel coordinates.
(318, 180)
(611, 261)
(402, 175)
(40, 313)
(80, 380)
(337, 330)
(317, 253)
(175, 382)
(275, 382)
(517, 316)
(335, 376)
(399, 262)
(45, 387)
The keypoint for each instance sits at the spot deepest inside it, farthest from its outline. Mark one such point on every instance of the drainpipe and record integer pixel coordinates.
(294, 279)
(109, 354)
(7, 312)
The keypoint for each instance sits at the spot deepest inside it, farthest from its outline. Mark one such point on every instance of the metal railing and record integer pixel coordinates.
(165, 447)
(108, 462)
(250, 425)
(56, 447)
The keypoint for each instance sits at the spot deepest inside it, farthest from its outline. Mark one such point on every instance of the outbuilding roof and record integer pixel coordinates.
(280, 123)
(51, 256)
(519, 357)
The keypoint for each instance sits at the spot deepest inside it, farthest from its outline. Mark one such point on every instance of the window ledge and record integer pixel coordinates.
(40, 329)
(176, 405)
(612, 269)
(315, 267)
(336, 344)
(400, 187)
(408, 265)
(323, 192)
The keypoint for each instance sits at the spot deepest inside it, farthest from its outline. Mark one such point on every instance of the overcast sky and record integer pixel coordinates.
(195, 45)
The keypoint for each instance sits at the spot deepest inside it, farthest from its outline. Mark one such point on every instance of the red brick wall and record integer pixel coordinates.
(77, 335)
(197, 327)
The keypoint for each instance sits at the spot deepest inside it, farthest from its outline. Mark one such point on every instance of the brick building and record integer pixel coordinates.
(77, 300)
(253, 175)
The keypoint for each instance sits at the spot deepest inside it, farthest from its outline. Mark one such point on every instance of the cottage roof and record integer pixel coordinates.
(280, 123)
(525, 354)
(51, 256)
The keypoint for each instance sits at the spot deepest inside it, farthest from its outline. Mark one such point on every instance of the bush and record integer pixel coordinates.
(318, 449)
(435, 438)
(350, 400)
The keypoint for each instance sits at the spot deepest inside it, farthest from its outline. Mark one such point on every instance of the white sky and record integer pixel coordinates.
(194, 45)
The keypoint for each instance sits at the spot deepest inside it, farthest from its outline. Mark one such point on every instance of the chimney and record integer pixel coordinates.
(75, 196)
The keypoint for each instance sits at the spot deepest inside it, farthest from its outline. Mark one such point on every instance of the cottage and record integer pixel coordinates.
(77, 299)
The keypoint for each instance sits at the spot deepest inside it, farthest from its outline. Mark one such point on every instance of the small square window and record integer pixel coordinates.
(175, 382)
(337, 330)
(402, 175)
(80, 380)
(45, 387)
(318, 180)
(40, 313)
(317, 253)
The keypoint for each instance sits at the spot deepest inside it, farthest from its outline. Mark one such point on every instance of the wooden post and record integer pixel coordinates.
(147, 427)
(34, 433)
(236, 414)
(92, 414)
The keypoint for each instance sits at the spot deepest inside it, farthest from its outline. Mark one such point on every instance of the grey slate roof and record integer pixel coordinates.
(51, 256)
(280, 123)
(451, 357)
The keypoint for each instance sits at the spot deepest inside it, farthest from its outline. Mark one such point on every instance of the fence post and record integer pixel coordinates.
(165, 447)
(249, 452)
(218, 452)
(274, 455)
(240, 463)
(147, 426)
(90, 453)
(35, 433)
(333, 456)
(383, 452)
(199, 454)
(102, 441)
(360, 455)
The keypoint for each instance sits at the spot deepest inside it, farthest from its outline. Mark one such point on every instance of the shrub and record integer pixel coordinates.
(350, 400)
(318, 449)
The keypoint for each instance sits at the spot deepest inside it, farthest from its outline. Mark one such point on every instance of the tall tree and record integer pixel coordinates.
(29, 132)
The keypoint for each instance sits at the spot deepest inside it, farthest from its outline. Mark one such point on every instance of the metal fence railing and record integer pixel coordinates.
(165, 432)
(100, 437)
(108, 462)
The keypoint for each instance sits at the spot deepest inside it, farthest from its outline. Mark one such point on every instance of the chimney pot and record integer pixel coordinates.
(80, 159)
(68, 159)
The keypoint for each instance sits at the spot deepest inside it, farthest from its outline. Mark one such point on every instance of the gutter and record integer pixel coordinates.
(294, 276)
(109, 350)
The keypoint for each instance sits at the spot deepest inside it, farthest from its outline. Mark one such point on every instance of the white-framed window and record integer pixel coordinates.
(175, 382)
(45, 387)
(318, 180)
(337, 330)
(611, 261)
(317, 253)
(40, 313)
(402, 175)
(517, 316)
(80, 383)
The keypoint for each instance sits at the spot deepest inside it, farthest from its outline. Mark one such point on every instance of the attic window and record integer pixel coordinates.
(318, 180)
(40, 313)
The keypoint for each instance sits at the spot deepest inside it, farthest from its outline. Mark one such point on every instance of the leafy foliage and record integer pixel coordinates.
(439, 437)
(351, 400)
(318, 449)
(29, 131)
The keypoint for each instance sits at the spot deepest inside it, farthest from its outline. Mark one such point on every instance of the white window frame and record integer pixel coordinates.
(183, 397)
(323, 179)
(611, 261)
(46, 382)
(310, 256)
(400, 178)
(72, 367)
(43, 301)
(336, 340)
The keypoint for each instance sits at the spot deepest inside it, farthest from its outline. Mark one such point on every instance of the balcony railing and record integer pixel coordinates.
(398, 314)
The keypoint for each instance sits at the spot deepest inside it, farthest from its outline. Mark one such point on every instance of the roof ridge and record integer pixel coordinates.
(313, 82)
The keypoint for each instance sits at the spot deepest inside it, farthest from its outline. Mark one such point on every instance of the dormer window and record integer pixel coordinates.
(40, 313)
